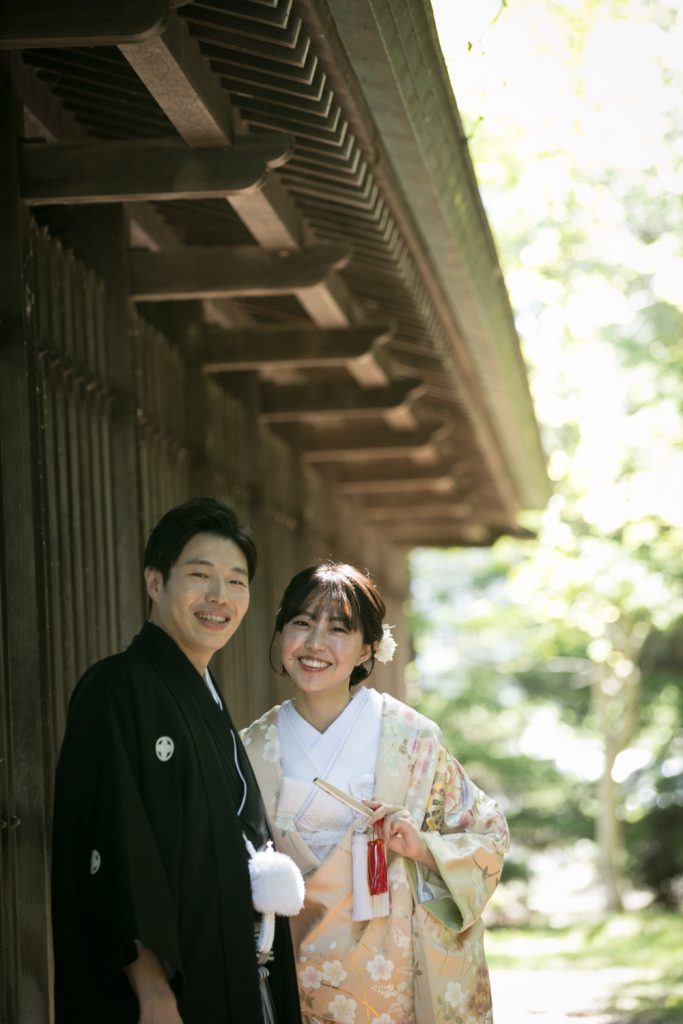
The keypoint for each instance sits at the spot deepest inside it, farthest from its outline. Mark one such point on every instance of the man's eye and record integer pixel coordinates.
(200, 575)
(238, 583)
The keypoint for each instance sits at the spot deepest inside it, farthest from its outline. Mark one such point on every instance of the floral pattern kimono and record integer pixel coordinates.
(424, 962)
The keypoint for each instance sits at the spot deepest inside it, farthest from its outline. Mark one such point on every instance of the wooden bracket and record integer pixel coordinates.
(143, 169)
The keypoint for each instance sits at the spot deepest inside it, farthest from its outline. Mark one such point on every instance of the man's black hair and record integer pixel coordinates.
(180, 524)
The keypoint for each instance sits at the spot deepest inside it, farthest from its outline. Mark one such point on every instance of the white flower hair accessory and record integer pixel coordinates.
(386, 646)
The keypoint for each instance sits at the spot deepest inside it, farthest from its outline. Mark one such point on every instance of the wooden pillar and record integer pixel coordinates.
(99, 238)
(25, 744)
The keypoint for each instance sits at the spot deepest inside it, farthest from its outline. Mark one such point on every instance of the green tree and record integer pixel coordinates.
(573, 114)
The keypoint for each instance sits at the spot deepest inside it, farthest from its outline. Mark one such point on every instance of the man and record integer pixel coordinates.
(152, 908)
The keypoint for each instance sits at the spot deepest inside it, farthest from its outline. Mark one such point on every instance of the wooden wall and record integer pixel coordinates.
(105, 422)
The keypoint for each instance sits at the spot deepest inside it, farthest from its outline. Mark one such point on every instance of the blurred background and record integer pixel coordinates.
(554, 664)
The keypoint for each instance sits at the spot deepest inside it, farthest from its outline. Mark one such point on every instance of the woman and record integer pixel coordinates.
(416, 956)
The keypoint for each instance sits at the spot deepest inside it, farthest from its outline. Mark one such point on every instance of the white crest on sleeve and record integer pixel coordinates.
(95, 861)
(164, 748)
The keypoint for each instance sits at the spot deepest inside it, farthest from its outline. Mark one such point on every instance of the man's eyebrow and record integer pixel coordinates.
(207, 561)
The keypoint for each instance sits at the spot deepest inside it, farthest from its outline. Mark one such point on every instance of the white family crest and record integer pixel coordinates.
(164, 748)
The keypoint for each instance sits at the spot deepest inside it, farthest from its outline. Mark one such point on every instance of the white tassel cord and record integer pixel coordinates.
(266, 998)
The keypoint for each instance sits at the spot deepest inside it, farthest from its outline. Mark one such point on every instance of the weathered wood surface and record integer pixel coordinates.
(141, 169)
(25, 687)
(172, 68)
(394, 477)
(222, 271)
(48, 23)
(354, 442)
(282, 404)
(221, 351)
(191, 95)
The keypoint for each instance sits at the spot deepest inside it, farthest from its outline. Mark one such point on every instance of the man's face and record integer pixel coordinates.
(205, 597)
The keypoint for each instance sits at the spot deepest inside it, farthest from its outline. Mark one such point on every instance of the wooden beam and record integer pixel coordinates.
(358, 443)
(61, 23)
(443, 534)
(426, 509)
(322, 401)
(376, 479)
(225, 271)
(182, 82)
(410, 504)
(329, 305)
(291, 349)
(144, 169)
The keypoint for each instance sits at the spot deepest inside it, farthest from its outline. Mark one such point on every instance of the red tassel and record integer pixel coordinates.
(377, 865)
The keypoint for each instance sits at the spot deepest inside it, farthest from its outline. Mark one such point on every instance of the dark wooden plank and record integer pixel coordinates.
(220, 351)
(140, 169)
(24, 906)
(42, 23)
(282, 404)
(221, 271)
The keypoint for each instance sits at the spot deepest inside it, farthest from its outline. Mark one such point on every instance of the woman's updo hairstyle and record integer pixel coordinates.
(342, 591)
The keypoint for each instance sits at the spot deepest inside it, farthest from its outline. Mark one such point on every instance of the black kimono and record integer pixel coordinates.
(148, 846)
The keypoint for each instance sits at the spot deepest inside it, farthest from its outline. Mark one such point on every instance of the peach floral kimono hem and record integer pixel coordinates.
(425, 962)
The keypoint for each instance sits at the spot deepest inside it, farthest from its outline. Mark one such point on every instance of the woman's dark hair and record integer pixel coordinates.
(340, 590)
(180, 524)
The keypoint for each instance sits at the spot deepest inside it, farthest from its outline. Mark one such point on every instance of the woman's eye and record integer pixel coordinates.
(200, 575)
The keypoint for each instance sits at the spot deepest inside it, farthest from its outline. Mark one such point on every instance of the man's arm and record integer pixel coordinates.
(156, 998)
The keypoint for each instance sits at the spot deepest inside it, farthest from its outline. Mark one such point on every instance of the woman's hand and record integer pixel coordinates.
(400, 833)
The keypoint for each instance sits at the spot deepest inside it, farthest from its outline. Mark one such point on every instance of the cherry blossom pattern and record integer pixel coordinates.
(334, 973)
(343, 1009)
(310, 977)
(380, 968)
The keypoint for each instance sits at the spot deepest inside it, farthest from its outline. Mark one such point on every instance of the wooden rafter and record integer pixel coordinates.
(145, 169)
(228, 271)
(50, 23)
(183, 84)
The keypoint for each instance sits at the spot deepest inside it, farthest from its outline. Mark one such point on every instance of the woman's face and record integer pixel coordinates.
(319, 651)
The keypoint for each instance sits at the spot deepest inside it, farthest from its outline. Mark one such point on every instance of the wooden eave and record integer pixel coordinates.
(331, 262)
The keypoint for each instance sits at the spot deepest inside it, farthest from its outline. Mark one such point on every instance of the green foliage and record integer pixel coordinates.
(549, 658)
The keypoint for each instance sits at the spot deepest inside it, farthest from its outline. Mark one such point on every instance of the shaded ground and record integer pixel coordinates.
(572, 997)
(627, 970)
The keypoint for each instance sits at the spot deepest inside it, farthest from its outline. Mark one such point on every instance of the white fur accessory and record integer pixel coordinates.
(277, 885)
(387, 645)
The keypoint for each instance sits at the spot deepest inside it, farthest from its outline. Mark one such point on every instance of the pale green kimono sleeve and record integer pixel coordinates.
(467, 835)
